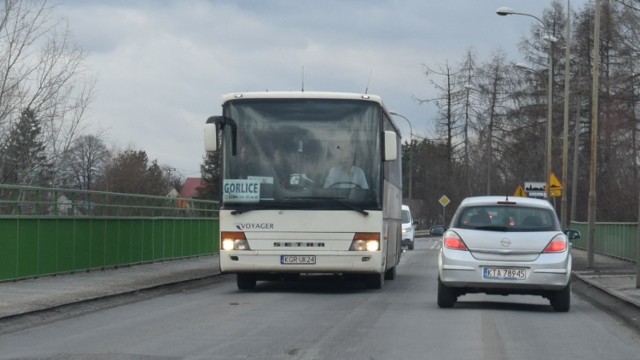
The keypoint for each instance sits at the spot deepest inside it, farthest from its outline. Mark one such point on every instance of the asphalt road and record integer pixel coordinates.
(326, 318)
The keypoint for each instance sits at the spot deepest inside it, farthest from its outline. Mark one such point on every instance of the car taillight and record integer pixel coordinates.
(452, 241)
(557, 245)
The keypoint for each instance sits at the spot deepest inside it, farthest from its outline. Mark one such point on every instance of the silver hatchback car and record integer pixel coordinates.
(502, 245)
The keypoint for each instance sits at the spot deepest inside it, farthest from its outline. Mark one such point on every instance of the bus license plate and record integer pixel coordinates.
(504, 273)
(298, 259)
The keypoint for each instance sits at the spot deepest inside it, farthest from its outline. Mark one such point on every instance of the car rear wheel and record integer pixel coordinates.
(561, 300)
(447, 296)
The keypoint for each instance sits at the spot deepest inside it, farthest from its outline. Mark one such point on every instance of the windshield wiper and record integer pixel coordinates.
(263, 207)
(350, 207)
(284, 205)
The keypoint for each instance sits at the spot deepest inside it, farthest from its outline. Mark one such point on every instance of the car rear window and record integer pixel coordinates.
(507, 218)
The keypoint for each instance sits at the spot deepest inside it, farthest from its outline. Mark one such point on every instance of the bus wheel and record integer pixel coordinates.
(374, 281)
(390, 274)
(246, 281)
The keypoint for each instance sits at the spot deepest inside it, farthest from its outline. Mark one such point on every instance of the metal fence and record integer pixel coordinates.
(47, 231)
(26, 200)
(613, 239)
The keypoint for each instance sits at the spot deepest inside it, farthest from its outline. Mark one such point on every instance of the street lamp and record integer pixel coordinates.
(504, 11)
(410, 152)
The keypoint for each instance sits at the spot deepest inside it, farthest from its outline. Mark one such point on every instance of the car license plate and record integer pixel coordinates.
(298, 259)
(494, 273)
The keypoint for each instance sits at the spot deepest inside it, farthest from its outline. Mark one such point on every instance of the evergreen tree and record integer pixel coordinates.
(211, 173)
(24, 157)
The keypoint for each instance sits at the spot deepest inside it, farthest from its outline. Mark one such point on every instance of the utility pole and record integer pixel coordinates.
(565, 132)
(594, 139)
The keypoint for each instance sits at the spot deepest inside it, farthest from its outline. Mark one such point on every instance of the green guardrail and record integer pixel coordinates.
(52, 231)
(612, 239)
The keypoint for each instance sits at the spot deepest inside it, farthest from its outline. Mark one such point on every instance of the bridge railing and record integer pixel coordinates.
(612, 239)
(45, 231)
(35, 201)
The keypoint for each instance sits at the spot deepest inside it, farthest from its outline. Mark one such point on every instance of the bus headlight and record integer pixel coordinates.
(365, 242)
(234, 240)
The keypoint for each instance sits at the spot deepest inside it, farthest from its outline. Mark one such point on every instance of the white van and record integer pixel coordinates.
(407, 228)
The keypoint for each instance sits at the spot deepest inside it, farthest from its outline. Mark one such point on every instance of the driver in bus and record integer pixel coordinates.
(346, 175)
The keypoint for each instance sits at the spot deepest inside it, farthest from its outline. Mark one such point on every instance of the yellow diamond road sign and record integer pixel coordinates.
(444, 200)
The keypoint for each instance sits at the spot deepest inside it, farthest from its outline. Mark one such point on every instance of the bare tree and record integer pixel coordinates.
(494, 87)
(41, 70)
(504, 143)
(84, 162)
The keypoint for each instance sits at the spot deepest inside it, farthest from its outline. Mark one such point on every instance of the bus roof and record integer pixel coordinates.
(300, 95)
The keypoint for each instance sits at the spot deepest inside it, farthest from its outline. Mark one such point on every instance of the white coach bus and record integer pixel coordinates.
(311, 184)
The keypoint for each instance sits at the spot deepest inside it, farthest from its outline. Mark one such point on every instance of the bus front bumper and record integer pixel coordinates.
(322, 262)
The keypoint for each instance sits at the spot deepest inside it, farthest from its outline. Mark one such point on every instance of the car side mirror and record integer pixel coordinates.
(572, 234)
(437, 230)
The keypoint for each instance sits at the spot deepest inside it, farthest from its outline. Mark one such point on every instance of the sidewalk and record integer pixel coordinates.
(614, 276)
(32, 295)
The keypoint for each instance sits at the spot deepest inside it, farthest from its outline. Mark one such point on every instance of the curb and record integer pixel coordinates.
(604, 289)
(104, 297)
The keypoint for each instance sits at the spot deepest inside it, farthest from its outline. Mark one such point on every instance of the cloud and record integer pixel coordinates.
(162, 66)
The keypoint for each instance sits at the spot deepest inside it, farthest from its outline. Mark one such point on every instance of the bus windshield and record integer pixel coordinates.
(302, 154)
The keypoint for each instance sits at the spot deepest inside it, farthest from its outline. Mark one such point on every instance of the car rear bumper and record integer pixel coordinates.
(547, 273)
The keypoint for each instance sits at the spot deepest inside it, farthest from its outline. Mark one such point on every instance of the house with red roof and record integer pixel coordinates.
(190, 187)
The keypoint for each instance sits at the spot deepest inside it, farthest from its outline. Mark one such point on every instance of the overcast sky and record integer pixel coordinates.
(163, 65)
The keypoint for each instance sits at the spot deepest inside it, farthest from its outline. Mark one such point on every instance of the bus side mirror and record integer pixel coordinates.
(210, 137)
(390, 146)
(215, 123)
